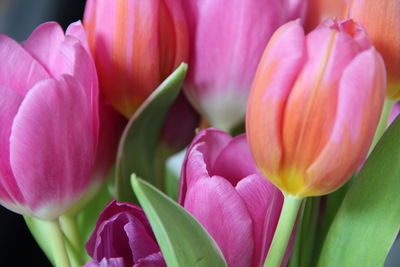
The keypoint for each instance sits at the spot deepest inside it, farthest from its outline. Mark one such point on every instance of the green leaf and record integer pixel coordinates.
(138, 143)
(183, 241)
(368, 220)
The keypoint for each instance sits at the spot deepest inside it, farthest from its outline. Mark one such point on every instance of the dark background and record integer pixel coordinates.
(18, 18)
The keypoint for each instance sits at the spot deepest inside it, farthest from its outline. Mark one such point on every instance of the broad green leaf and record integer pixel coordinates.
(183, 241)
(138, 143)
(368, 220)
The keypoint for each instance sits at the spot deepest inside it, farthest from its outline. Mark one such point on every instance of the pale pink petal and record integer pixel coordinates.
(44, 45)
(52, 147)
(227, 41)
(264, 203)
(76, 30)
(201, 157)
(214, 198)
(361, 94)
(10, 101)
(17, 63)
(235, 161)
(281, 63)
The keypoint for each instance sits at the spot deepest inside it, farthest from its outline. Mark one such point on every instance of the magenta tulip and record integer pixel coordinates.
(49, 120)
(123, 237)
(227, 38)
(222, 188)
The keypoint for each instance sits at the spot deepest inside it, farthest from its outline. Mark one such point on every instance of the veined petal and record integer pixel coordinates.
(282, 61)
(55, 123)
(311, 107)
(264, 203)
(16, 62)
(201, 157)
(233, 228)
(236, 151)
(44, 45)
(10, 101)
(360, 99)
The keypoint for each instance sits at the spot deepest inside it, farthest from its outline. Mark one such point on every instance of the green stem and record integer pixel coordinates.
(380, 130)
(59, 251)
(283, 231)
(70, 228)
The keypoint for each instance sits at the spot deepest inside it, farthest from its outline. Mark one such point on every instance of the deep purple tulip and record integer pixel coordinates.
(223, 189)
(123, 237)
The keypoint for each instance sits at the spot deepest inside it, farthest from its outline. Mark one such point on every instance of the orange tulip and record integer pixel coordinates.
(314, 106)
(136, 45)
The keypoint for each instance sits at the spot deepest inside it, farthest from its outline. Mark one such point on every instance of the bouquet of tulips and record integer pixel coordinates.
(240, 133)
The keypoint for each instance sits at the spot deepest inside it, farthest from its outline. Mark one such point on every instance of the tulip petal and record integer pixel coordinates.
(311, 106)
(76, 30)
(282, 61)
(17, 63)
(44, 45)
(55, 123)
(202, 157)
(233, 230)
(361, 94)
(152, 260)
(236, 151)
(141, 243)
(10, 101)
(226, 46)
(264, 203)
(113, 262)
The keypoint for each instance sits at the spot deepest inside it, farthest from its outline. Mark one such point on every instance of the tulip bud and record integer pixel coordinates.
(123, 237)
(227, 39)
(381, 18)
(136, 45)
(223, 189)
(49, 121)
(314, 106)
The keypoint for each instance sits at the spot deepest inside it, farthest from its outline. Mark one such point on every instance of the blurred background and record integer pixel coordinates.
(18, 18)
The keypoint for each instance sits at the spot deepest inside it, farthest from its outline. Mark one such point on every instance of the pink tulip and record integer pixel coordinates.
(227, 38)
(49, 120)
(123, 237)
(314, 106)
(222, 188)
(136, 44)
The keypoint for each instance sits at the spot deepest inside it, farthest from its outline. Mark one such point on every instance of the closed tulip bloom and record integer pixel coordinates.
(382, 21)
(123, 237)
(223, 189)
(314, 106)
(49, 120)
(136, 45)
(227, 38)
